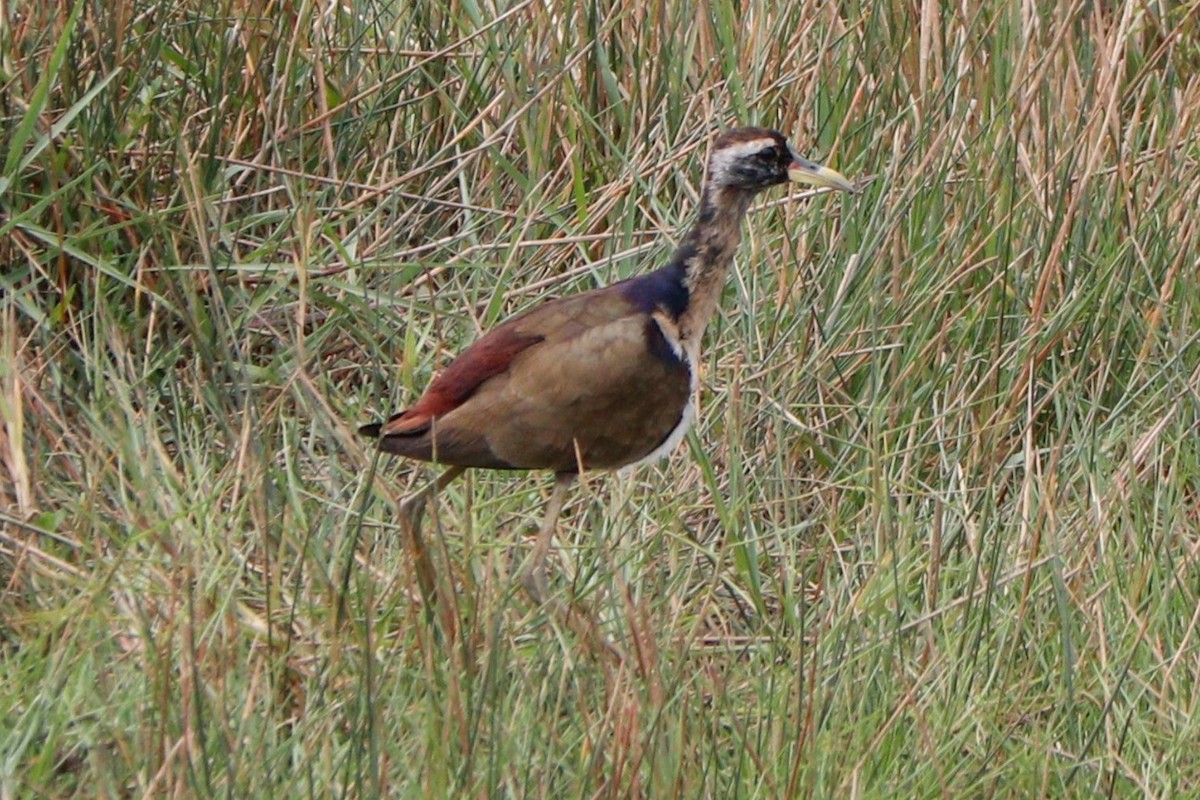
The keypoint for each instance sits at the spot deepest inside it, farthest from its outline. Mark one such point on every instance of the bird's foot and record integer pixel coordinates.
(575, 615)
(535, 582)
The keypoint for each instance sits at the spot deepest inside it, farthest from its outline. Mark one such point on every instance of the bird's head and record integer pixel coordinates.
(751, 159)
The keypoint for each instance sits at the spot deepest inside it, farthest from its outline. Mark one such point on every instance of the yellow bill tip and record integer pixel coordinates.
(804, 171)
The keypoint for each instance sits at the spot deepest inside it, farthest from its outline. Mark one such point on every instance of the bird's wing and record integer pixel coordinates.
(486, 358)
(590, 379)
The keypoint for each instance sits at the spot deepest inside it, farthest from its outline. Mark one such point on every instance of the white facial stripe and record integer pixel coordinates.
(742, 149)
(724, 158)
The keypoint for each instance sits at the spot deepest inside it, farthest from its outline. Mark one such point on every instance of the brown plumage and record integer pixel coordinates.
(602, 379)
(577, 379)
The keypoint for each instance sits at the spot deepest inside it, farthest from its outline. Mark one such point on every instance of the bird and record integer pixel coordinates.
(600, 380)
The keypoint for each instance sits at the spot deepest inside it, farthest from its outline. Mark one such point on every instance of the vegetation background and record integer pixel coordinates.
(936, 533)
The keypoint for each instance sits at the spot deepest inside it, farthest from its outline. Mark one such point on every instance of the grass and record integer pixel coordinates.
(934, 535)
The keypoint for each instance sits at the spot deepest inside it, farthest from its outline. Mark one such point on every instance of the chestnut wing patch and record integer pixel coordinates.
(488, 357)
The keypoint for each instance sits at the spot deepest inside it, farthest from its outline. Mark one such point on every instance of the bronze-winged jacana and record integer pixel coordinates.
(603, 379)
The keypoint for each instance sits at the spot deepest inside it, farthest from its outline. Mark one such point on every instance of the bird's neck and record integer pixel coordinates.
(702, 260)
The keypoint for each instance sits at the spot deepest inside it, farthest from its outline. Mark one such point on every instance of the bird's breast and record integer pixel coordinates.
(666, 332)
(666, 341)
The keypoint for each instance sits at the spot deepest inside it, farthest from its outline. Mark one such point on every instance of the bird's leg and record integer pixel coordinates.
(410, 512)
(533, 574)
(533, 577)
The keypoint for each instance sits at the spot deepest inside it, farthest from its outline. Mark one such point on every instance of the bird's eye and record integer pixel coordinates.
(768, 154)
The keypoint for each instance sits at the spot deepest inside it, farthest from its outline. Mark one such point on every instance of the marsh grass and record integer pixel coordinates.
(935, 534)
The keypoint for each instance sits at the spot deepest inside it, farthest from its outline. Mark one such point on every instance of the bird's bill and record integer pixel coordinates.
(804, 171)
